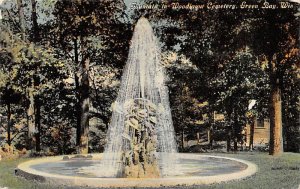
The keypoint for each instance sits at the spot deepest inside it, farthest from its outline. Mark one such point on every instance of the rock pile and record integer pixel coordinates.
(139, 153)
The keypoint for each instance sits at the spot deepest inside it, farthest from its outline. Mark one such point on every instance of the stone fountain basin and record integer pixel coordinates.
(196, 169)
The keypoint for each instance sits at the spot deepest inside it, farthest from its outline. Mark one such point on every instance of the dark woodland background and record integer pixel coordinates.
(61, 63)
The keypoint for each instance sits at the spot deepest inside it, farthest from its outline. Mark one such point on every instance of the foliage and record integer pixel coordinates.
(216, 62)
(29, 69)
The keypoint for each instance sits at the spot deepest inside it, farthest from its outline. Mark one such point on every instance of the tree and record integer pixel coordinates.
(35, 27)
(21, 18)
(36, 73)
(291, 109)
(9, 96)
(79, 25)
(29, 71)
(277, 39)
(183, 100)
(239, 82)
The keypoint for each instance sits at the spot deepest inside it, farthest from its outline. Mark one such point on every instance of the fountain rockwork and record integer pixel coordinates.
(141, 141)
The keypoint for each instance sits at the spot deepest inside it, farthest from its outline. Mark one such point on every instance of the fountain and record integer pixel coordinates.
(141, 124)
(141, 148)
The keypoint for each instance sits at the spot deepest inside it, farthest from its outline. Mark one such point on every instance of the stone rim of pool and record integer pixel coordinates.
(25, 170)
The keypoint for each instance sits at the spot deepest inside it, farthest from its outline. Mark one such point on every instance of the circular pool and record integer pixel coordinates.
(192, 169)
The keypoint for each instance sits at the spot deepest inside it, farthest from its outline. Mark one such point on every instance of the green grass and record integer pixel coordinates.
(274, 173)
(8, 179)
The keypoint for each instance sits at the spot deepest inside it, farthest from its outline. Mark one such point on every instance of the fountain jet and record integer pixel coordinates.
(141, 141)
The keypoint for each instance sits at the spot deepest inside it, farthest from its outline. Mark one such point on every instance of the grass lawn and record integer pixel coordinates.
(274, 173)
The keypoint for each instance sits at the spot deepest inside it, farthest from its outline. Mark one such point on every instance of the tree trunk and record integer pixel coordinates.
(31, 119)
(276, 143)
(251, 134)
(78, 114)
(182, 138)
(229, 132)
(235, 136)
(35, 27)
(235, 144)
(8, 124)
(210, 137)
(38, 124)
(228, 146)
(84, 104)
(229, 135)
(236, 131)
(211, 130)
(78, 93)
(84, 100)
(30, 96)
(37, 104)
(21, 18)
